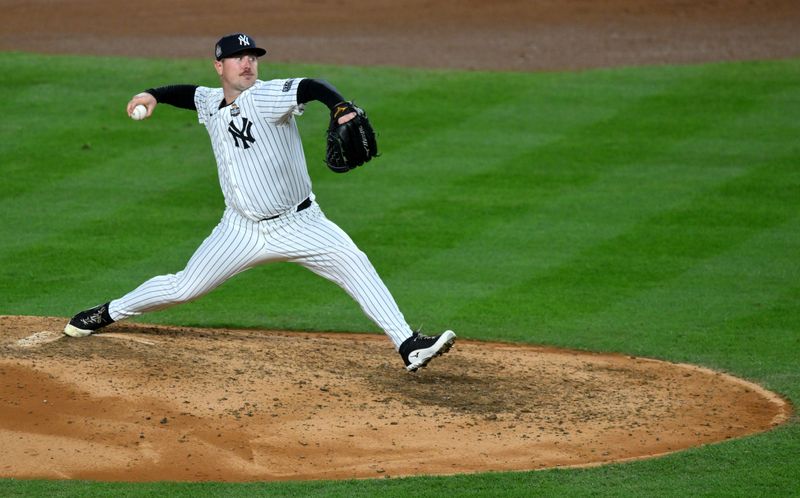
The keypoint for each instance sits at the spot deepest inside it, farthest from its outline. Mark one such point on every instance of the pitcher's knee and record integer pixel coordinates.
(182, 291)
(356, 260)
(356, 256)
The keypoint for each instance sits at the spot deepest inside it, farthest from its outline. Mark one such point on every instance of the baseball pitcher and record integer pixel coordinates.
(270, 210)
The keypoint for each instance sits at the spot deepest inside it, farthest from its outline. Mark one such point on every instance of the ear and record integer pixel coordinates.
(218, 67)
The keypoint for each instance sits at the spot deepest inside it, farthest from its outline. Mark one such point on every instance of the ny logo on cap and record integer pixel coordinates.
(244, 40)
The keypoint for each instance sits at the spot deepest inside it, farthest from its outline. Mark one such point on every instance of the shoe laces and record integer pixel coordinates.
(422, 337)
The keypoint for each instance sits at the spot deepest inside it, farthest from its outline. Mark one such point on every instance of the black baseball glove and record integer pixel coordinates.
(350, 144)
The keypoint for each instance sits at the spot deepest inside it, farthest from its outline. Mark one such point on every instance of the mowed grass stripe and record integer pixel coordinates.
(530, 243)
(650, 254)
(109, 176)
(557, 169)
(622, 201)
(482, 166)
(724, 312)
(463, 124)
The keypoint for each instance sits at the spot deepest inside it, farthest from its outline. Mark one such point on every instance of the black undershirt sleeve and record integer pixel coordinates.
(307, 90)
(310, 89)
(177, 95)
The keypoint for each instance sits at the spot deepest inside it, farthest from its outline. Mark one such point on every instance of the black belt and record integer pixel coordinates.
(303, 205)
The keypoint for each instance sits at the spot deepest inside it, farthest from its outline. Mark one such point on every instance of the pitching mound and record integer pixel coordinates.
(147, 403)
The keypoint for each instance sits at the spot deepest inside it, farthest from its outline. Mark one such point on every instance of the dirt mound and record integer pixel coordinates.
(144, 403)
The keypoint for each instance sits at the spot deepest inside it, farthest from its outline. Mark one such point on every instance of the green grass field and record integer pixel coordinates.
(653, 211)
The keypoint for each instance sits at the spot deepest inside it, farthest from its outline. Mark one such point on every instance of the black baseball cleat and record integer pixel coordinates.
(86, 322)
(419, 349)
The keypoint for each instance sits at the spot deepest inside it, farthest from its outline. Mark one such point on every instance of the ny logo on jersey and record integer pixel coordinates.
(244, 134)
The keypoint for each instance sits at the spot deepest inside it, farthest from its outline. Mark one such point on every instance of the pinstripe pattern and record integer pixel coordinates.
(270, 176)
(237, 244)
(263, 173)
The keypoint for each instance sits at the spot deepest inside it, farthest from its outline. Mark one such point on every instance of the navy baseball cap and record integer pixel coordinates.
(230, 45)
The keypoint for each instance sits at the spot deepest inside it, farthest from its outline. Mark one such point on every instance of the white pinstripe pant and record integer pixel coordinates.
(236, 244)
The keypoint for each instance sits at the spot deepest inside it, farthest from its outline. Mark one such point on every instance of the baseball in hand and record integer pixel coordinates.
(139, 112)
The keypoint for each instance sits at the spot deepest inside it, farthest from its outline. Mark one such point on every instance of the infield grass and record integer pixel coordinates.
(652, 211)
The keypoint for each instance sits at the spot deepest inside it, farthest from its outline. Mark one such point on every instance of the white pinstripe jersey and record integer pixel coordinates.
(260, 160)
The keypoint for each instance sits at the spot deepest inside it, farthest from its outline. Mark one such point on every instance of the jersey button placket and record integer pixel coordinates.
(229, 161)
